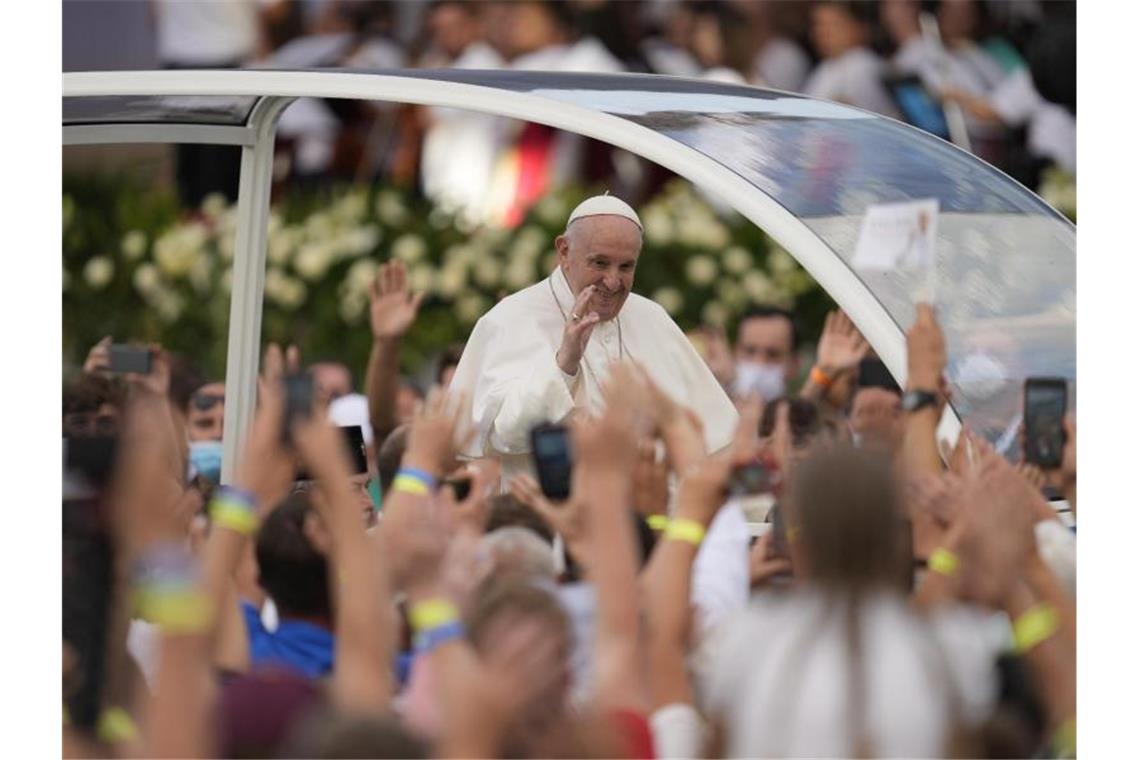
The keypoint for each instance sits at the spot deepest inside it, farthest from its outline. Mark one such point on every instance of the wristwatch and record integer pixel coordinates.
(913, 401)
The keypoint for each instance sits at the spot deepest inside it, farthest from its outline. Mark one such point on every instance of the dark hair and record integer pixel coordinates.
(805, 418)
(185, 380)
(290, 569)
(89, 391)
(507, 511)
(449, 358)
(862, 11)
(329, 734)
(765, 311)
(388, 457)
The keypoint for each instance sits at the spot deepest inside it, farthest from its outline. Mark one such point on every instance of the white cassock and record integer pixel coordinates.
(509, 373)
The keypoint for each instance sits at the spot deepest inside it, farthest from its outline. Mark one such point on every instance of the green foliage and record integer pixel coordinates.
(139, 269)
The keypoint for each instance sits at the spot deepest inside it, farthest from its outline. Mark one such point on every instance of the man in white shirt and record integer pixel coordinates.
(850, 73)
(544, 352)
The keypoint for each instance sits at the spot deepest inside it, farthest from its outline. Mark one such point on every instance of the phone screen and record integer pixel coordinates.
(1045, 406)
(553, 459)
(126, 358)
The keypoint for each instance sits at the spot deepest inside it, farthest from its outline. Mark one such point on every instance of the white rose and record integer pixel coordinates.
(313, 260)
(351, 207)
(360, 276)
(731, 294)
(99, 271)
(470, 307)
(146, 279)
(409, 248)
(714, 314)
(452, 280)
(200, 274)
(213, 205)
(519, 274)
(701, 270)
(293, 293)
(658, 226)
(176, 249)
(780, 260)
(670, 300)
(737, 260)
(421, 279)
(227, 245)
(758, 286)
(487, 271)
(552, 210)
(168, 304)
(134, 245)
(351, 309)
(390, 209)
(280, 246)
(529, 243)
(319, 226)
(363, 240)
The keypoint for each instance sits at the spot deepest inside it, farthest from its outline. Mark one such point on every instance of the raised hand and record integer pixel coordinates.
(925, 351)
(762, 565)
(431, 438)
(265, 467)
(576, 334)
(703, 489)
(157, 382)
(841, 345)
(567, 518)
(99, 357)
(394, 306)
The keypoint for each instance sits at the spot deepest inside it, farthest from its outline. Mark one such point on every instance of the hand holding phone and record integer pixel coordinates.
(298, 402)
(1046, 401)
(130, 359)
(553, 459)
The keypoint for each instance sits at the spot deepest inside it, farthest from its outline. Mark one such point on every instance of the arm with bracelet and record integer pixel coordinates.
(362, 678)
(668, 580)
(926, 361)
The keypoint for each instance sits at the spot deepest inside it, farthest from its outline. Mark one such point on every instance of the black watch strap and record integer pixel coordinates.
(913, 401)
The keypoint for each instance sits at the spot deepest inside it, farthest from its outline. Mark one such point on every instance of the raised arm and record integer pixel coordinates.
(365, 629)
(926, 361)
(393, 311)
(841, 348)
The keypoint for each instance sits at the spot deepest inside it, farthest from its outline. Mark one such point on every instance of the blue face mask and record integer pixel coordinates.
(206, 459)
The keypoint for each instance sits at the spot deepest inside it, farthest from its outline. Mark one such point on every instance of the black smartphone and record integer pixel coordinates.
(298, 401)
(873, 373)
(752, 478)
(779, 547)
(126, 358)
(1046, 401)
(461, 487)
(354, 446)
(553, 459)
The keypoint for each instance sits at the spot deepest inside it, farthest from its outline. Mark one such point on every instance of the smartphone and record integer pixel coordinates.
(461, 487)
(779, 547)
(753, 478)
(298, 401)
(1046, 401)
(553, 459)
(126, 358)
(354, 447)
(873, 373)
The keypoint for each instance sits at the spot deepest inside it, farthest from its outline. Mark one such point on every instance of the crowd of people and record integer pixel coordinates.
(829, 582)
(1003, 73)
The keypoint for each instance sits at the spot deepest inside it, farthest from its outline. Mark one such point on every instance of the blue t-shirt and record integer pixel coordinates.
(304, 647)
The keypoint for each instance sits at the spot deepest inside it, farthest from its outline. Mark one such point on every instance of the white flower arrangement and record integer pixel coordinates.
(409, 248)
(213, 205)
(281, 245)
(352, 208)
(780, 260)
(175, 251)
(736, 260)
(313, 260)
(452, 279)
(422, 279)
(701, 270)
(470, 307)
(133, 245)
(714, 313)
(201, 275)
(670, 299)
(98, 272)
(283, 290)
(146, 279)
(658, 225)
(758, 286)
(391, 209)
(731, 294)
(487, 271)
(552, 210)
(358, 279)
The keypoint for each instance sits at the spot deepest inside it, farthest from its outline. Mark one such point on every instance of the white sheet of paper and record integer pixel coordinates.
(900, 236)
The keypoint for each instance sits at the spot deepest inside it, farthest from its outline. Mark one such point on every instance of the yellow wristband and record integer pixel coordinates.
(181, 611)
(689, 531)
(408, 484)
(233, 516)
(1065, 739)
(116, 726)
(432, 613)
(1035, 625)
(943, 562)
(657, 522)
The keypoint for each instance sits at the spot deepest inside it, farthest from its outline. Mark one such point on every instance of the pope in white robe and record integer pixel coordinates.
(545, 351)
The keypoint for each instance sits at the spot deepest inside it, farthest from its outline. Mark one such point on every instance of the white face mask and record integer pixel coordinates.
(753, 378)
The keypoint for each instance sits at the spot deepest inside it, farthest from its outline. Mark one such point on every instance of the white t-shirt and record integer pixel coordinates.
(854, 78)
(203, 33)
(779, 681)
(782, 65)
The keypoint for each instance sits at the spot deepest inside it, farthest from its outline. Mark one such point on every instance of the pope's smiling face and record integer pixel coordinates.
(601, 251)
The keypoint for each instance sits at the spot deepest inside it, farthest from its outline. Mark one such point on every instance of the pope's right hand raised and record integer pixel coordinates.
(576, 333)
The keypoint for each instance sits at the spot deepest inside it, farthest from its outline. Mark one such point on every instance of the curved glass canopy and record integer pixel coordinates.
(804, 170)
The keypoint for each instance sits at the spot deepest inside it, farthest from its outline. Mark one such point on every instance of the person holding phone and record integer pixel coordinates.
(546, 351)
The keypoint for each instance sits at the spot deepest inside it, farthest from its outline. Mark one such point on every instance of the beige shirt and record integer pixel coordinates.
(509, 373)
